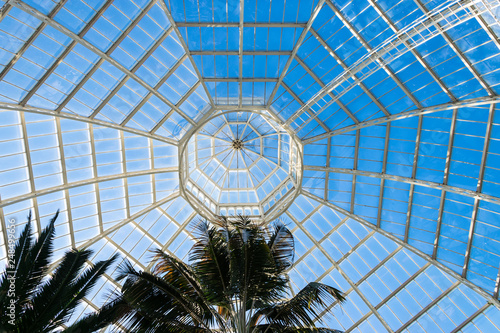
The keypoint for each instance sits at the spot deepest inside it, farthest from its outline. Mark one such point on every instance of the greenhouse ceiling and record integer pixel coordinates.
(372, 127)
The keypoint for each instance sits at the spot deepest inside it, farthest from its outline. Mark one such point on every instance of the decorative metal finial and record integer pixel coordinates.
(237, 144)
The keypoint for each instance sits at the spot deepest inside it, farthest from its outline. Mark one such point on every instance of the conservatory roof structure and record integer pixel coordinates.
(372, 127)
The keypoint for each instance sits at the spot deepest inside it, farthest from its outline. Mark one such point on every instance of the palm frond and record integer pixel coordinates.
(237, 270)
(130, 316)
(301, 310)
(81, 286)
(282, 247)
(158, 298)
(269, 328)
(180, 274)
(210, 257)
(253, 270)
(41, 254)
(32, 261)
(49, 305)
(101, 318)
(21, 250)
(45, 302)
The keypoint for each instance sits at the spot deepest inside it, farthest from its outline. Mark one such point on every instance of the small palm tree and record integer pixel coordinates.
(236, 282)
(32, 300)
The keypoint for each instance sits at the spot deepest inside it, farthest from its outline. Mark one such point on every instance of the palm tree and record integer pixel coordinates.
(236, 282)
(32, 300)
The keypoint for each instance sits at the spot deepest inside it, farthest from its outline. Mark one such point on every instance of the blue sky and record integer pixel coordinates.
(375, 122)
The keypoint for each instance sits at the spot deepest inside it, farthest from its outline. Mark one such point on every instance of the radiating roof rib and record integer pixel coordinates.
(105, 56)
(391, 45)
(475, 102)
(62, 56)
(30, 170)
(64, 179)
(296, 48)
(457, 51)
(10, 106)
(28, 43)
(478, 189)
(395, 104)
(411, 181)
(96, 173)
(186, 49)
(124, 169)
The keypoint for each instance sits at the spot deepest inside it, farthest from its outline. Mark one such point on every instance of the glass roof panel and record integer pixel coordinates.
(386, 110)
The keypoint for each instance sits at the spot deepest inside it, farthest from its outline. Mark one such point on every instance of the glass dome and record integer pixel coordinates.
(371, 127)
(241, 163)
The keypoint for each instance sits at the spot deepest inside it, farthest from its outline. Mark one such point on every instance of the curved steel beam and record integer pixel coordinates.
(128, 220)
(389, 49)
(16, 107)
(295, 49)
(414, 181)
(468, 103)
(67, 186)
(399, 241)
(174, 25)
(39, 15)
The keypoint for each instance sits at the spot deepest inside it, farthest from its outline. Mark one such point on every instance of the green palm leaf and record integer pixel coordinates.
(49, 304)
(179, 274)
(302, 310)
(235, 283)
(157, 298)
(268, 328)
(22, 247)
(100, 319)
(211, 263)
(45, 302)
(282, 247)
(32, 260)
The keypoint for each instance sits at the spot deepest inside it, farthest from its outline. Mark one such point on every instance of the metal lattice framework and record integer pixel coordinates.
(381, 145)
(241, 163)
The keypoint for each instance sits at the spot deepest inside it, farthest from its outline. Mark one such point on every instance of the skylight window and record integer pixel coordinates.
(371, 127)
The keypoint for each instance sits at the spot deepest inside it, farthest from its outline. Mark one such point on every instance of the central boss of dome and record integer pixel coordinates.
(241, 163)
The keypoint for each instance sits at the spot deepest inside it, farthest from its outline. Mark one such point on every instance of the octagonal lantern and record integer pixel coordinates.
(241, 163)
